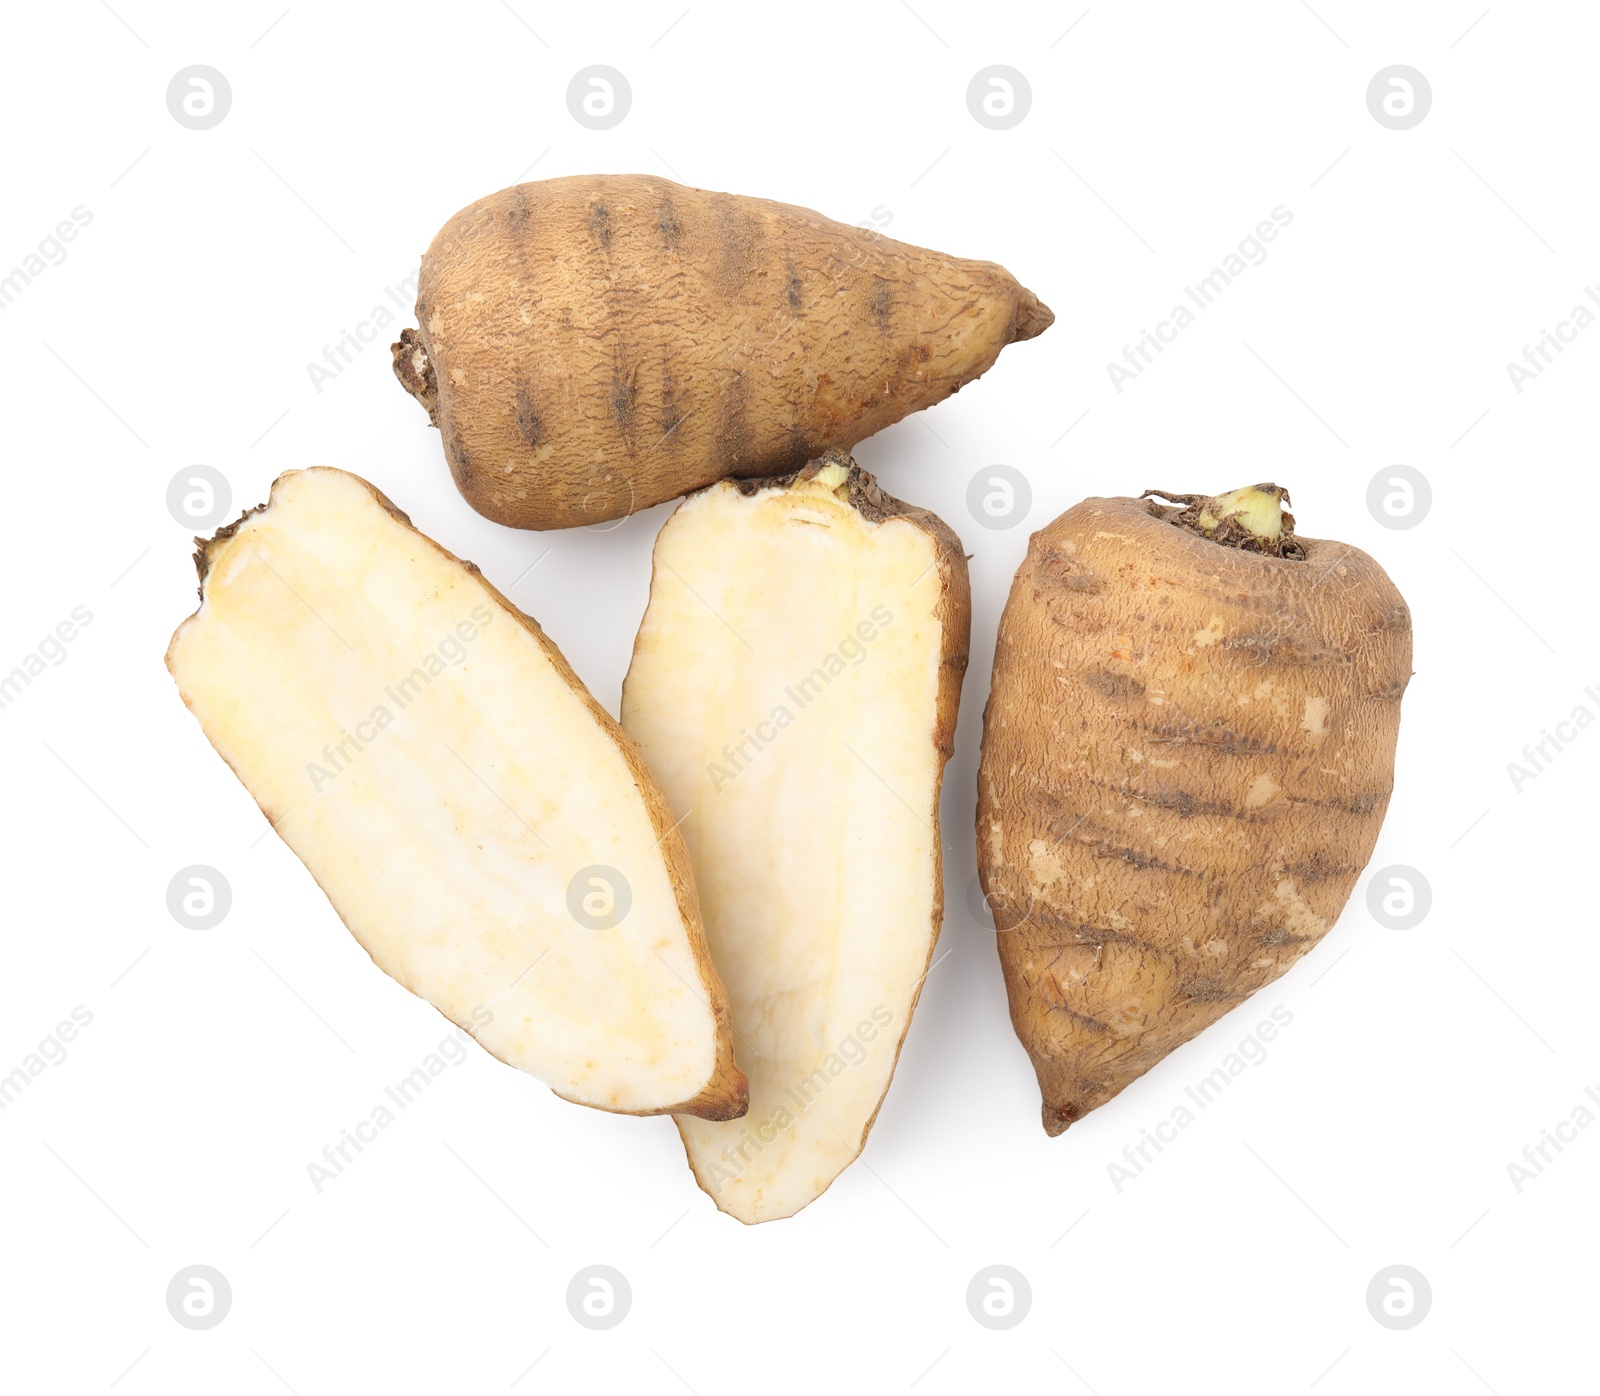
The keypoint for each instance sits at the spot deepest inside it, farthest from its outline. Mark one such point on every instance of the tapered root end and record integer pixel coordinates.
(1057, 1118)
(415, 372)
(726, 1103)
(1032, 317)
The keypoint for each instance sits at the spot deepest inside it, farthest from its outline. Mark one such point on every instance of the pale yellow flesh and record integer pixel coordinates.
(448, 841)
(815, 856)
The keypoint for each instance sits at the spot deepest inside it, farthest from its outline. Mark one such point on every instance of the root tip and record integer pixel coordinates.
(1056, 1119)
(1031, 318)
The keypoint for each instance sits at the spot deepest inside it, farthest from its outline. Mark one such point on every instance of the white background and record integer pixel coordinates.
(1418, 1064)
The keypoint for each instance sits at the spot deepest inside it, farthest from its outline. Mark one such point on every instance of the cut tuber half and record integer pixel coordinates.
(475, 817)
(794, 688)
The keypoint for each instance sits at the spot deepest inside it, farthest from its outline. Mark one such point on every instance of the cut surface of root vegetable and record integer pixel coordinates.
(794, 687)
(476, 819)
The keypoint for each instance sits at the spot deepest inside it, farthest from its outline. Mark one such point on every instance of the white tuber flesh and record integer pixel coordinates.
(445, 777)
(785, 689)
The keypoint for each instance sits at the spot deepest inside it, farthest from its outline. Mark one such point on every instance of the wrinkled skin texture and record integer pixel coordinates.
(594, 345)
(1187, 754)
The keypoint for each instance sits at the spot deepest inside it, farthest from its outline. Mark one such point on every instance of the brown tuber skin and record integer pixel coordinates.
(1188, 751)
(594, 345)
